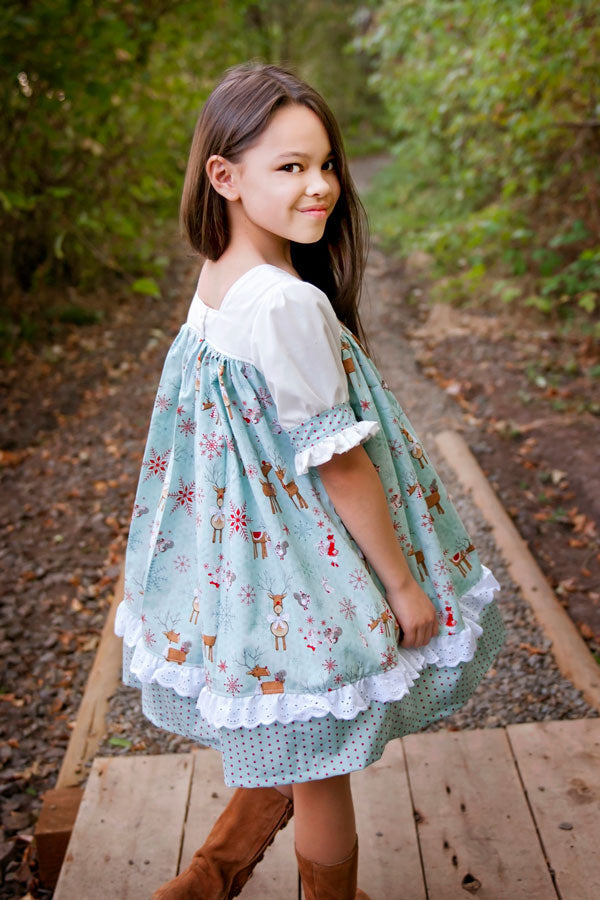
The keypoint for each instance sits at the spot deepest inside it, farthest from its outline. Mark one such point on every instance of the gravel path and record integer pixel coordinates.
(525, 684)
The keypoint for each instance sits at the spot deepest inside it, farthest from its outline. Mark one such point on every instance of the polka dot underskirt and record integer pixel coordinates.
(321, 747)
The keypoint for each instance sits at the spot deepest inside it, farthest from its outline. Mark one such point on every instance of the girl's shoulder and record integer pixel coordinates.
(287, 295)
(293, 318)
(278, 286)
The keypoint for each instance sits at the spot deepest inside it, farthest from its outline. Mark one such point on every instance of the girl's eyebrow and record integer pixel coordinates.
(300, 153)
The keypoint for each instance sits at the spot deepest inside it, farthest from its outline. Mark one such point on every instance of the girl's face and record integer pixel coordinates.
(287, 184)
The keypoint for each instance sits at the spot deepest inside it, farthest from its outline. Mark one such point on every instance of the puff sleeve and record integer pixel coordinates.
(296, 341)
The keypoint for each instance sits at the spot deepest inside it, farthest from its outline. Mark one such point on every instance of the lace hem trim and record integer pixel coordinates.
(336, 443)
(345, 702)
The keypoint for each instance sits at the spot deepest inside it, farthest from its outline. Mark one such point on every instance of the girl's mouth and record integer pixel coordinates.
(315, 213)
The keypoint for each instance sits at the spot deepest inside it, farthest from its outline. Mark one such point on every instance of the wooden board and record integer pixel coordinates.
(54, 825)
(127, 835)
(387, 840)
(276, 876)
(53, 830)
(459, 806)
(473, 819)
(90, 724)
(559, 763)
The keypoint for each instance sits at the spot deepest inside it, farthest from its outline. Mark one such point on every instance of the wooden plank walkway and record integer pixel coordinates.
(499, 813)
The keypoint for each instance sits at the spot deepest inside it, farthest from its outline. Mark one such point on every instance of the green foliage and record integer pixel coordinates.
(120, 742)
(99, 105)
(146, 286)
(91, 136)
(495, 114)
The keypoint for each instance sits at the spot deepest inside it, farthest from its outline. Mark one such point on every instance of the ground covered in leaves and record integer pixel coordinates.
(74, 419)
(533, 395)
(74, 416)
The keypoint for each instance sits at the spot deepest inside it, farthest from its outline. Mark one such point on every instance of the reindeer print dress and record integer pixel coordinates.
(252, 621)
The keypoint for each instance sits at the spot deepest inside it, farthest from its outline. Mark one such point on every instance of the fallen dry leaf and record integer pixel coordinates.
(530, 648)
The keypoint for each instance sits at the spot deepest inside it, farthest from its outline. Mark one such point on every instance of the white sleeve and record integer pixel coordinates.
(296, 340)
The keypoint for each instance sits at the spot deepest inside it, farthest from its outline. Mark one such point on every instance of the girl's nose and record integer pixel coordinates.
(318, 184)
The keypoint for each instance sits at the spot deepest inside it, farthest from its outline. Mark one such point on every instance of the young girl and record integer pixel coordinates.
(299, 587)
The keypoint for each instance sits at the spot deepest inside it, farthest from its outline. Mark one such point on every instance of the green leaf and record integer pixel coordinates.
(60, 192)
(588, 301)
(120, 742)
(510, 293)
(146, 286)
(544, 304)
(58, 242)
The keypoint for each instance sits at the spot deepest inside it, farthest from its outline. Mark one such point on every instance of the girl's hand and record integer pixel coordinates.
(415, 613)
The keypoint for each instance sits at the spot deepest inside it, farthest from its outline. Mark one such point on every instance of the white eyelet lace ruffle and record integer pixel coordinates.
(187, 681)
(335, 443)
(345, 702)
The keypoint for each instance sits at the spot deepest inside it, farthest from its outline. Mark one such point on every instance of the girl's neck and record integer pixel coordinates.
(250, 245)
(239, 257)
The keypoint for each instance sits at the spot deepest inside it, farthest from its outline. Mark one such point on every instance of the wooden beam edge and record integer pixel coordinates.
(90, 724)
(60, 805)
(568, 647)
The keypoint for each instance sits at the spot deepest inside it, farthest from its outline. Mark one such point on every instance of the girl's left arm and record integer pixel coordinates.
(357, 494)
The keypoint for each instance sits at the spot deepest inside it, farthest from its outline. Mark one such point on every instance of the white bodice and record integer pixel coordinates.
(288, 330)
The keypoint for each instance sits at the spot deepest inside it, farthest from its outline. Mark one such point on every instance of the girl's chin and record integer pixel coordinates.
(307, 240)
(309, 235)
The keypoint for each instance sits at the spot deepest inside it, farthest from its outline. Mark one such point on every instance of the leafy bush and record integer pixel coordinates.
(99, 104)
(494, 108)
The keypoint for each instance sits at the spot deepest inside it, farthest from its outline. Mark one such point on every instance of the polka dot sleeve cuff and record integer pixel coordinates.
(332, 431)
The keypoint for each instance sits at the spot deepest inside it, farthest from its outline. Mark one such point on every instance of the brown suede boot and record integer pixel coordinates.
(237, 842)
(336, 882)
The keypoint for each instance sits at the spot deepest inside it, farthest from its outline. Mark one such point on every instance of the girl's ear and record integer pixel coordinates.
(221, 174)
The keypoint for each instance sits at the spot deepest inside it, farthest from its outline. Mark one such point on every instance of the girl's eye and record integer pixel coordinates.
(330, 162)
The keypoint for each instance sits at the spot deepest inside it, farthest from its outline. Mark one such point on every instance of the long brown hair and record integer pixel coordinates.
(235, 114)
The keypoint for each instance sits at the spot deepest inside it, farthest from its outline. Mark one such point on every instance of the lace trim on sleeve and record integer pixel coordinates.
(332, 431)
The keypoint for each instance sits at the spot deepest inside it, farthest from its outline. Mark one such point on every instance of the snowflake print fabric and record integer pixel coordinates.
(246, 598)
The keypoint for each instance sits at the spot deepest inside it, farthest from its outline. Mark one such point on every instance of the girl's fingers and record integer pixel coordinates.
(419, 635)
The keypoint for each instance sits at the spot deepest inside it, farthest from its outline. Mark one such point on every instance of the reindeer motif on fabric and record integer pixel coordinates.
(224, 393)
(199, 365)
(460, 560)
(278, 620)
(255, 670)
(209, 404)
(420, 561)
(433, 498)
(209, 641)
(416, 451)
(290, 487)
(262, 538)
(251, 663)
(269, 489)
(174, 654)
(384, 619)
(217, 518)
(347, 361)
(195, 609)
